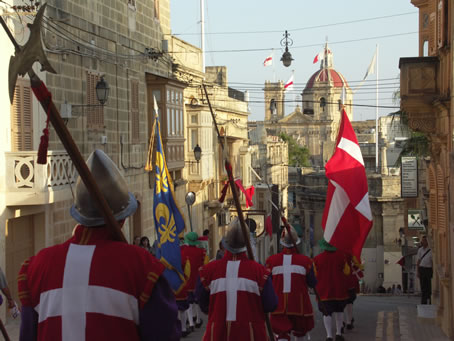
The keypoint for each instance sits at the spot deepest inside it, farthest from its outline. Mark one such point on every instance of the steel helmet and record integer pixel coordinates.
(112, 185)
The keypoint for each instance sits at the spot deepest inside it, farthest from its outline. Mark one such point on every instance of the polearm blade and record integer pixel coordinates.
(22, 63)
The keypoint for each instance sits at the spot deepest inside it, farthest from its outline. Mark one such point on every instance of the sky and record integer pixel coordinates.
(241, 34)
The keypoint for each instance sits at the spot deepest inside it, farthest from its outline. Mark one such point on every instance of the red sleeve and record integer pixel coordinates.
(22, 284)
(153, 270)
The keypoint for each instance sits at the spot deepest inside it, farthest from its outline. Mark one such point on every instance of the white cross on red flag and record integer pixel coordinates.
(347, 218)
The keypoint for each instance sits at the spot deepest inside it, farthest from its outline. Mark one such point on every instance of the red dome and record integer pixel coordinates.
(327, 75)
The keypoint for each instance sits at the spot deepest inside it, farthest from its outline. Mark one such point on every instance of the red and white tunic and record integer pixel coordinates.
(235, 312)
(88, 288)
(289, 271)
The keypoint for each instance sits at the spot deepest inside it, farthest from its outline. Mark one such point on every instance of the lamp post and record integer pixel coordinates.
(286, 58)
(197, 152)
(190, 200)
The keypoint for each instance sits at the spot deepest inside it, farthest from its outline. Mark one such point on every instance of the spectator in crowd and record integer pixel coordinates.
(145, 243)
(424, 271)
(136, 240)
(220, 252)
(5, 290)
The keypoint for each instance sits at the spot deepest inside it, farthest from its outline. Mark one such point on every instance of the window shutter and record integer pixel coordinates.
(440, 23)
(441, 203)
(432, 199)
(432, 34)
(135, 122)
(22, 117)
(95, 112)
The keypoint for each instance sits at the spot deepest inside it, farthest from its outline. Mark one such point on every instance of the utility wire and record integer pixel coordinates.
(302, 28)
(302, 46)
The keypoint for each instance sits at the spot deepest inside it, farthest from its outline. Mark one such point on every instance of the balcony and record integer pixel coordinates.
(29, 183)
(420, 91)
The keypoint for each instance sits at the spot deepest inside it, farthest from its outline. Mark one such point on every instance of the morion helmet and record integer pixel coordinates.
(112, 185)
(286, 240)
(234, 239)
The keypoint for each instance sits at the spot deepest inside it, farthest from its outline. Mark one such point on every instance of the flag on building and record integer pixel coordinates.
(372, 66)
(319, 56)
(289, 84)
(168, 220)
(268, 60)
(347, 218)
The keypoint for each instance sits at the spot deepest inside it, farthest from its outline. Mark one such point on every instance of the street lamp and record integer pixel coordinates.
(190, 200)
(102, 91)
(197, 153)
(286, 58)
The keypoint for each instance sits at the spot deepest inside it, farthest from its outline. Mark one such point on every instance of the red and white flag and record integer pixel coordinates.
(319, 56)
(347, 218)
(289, 84)
(268, 60)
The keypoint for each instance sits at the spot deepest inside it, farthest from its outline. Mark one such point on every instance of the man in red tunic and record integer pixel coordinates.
(236, 293)
(356, 274)
(91, 287)
(192, 258)
(292, 274)
(331, 270)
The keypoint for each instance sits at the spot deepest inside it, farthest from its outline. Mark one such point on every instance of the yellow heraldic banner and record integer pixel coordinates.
(169, 222)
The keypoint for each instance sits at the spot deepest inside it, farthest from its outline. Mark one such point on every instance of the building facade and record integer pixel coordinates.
(426, 90)
(126, 44)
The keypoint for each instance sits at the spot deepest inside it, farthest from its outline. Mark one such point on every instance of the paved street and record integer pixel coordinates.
(376, 318)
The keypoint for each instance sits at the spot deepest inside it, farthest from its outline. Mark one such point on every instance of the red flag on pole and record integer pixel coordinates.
(269, 225)
(347, 218)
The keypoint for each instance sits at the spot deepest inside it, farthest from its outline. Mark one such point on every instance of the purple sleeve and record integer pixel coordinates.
(269, 298)
(203, 296)
(29, 324)
(159, 317)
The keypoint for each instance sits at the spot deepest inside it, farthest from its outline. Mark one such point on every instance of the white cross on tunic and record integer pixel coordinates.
(286, 269)
(231, 284)
(76, 298)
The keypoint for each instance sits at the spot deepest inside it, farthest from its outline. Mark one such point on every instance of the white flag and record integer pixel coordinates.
(268, 60)
(289, 84)
(371, 68)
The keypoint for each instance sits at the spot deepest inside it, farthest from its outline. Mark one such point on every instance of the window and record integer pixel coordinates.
(194, 138)
(22, 117)
(95, 113)
(135, 121)
(168, 94)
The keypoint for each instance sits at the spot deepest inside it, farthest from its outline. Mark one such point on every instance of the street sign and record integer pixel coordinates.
(415, 220)
(409, 177)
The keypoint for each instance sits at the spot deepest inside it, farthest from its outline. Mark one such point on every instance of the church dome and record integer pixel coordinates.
(327, 74)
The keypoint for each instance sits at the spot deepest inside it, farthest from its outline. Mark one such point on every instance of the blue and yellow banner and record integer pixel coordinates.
(168, 220)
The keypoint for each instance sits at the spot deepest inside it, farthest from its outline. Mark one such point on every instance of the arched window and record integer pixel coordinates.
(322, 103)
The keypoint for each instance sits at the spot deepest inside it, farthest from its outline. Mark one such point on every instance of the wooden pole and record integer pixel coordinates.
(4, 332)
(228, 168)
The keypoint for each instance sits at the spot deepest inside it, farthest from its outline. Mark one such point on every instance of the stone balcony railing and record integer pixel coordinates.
(29, 183)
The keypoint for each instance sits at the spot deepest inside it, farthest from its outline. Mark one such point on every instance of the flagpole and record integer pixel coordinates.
(274, 67)
(376, 113)
(202, 32)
